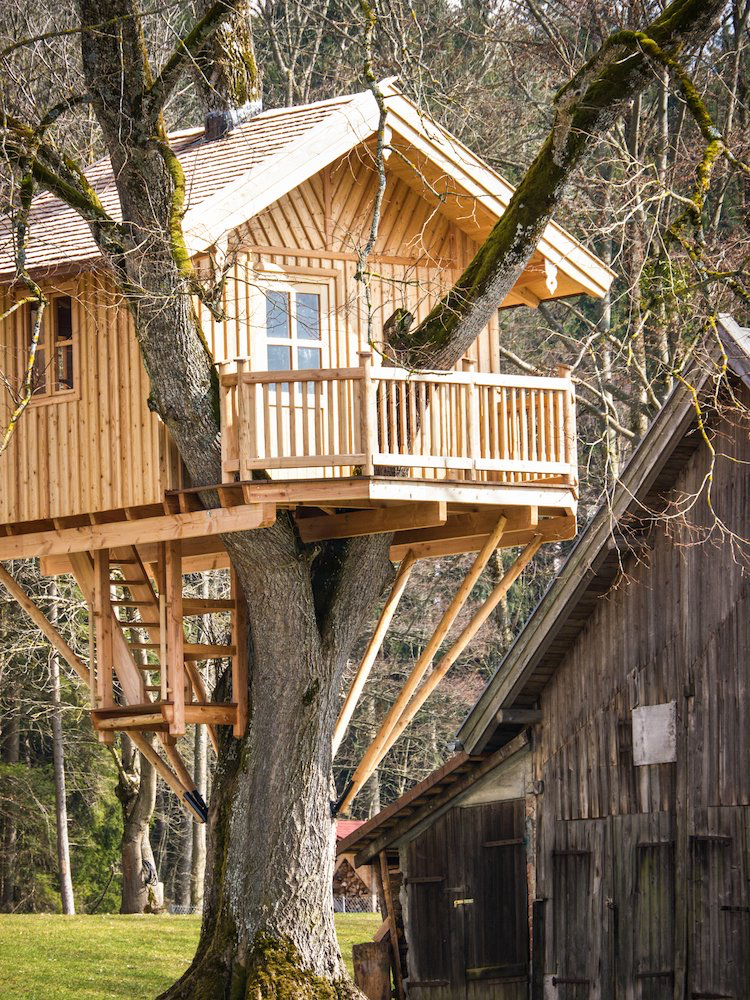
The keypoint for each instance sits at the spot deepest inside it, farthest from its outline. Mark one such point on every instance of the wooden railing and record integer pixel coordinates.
(466, 425)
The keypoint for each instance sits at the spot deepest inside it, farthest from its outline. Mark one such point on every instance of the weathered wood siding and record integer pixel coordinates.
(466, 916)
(99, 449)
(644, 870)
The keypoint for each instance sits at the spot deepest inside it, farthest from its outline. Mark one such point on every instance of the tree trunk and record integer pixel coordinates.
(58, 760)
(198, 863)
(136, 791)
(184, 865)
(268, 926)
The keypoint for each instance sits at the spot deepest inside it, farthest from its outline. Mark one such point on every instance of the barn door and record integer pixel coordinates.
(643, 906)
(719, 905)
(435, 948)
(467, 914)
(581, 918)
(495, 913)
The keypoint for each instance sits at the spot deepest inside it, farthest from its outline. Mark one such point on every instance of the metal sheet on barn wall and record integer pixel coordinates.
(655, 734)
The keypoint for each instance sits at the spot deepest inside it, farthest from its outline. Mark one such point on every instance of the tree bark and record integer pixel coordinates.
(136, 791)
(58, 763)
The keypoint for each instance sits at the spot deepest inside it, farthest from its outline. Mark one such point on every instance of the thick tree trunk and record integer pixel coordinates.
(136, 791)
(268, 917)
(58, 762)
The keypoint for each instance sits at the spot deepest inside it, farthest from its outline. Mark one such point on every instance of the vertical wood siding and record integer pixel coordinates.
(97, 449)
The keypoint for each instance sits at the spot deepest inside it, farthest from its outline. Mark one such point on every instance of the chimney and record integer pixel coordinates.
(219, 123)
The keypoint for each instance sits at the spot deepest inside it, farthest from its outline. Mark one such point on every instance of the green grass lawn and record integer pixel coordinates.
(134, 958)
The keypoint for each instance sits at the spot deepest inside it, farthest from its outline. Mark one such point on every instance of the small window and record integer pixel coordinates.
(54, 365)
(293, 330)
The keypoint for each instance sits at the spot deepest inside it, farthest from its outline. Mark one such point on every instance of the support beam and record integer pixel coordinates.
(375, 521)
(395, 952)
(375, 751)
(552, 529)
(173, 636)
(168, 527)
(410, 710)
(373, 648)
(239, 656)
(104, 629)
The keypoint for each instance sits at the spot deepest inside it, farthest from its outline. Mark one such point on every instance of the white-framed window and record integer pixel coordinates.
(291, 326)
(55, 362)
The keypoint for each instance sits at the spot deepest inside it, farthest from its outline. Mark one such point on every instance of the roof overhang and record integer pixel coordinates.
(429, 159)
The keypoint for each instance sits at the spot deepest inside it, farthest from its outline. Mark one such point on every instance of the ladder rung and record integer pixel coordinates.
(144, 645)
(205, 605)
(153, 687)
(146, 667)
(132, 604)
(124, 624)
(199, 651)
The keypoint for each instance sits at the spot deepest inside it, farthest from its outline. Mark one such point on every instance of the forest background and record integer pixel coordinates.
(488, 71)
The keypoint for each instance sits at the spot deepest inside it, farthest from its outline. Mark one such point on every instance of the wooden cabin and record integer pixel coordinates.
(591, 839)
(91, 482)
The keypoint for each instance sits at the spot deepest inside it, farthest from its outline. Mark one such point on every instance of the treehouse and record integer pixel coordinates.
(313, 419)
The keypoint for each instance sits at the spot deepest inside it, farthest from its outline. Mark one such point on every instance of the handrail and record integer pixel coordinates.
(465, 425)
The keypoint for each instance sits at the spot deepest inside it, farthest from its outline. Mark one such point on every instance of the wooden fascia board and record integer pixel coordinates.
(114, 534)
(665, 433)
(349, 844)
(494, 193)
(260, 187)
(434, 807)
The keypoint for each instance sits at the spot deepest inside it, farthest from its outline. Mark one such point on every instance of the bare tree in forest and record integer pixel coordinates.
(268, 923)
(58, 763)
(136, 790)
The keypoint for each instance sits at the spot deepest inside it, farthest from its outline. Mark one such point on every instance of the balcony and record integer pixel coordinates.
(375, 436)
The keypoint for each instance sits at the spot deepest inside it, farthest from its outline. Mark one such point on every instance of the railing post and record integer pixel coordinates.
(571, 447)
(103, 616)
(243, 427)
(367, 413)
(472, 416)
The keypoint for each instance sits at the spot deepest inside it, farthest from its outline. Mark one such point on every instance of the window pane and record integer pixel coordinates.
(64, 318)
(64, 365)
(308, 357)
(308, 316)
(277, 315)
(279, 358)
(39, 374)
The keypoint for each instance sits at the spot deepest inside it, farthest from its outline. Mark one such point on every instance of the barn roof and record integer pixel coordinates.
(595, 559)
(232, 179)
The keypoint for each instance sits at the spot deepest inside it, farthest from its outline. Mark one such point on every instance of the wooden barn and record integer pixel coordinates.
(592, 838)
(92, 484)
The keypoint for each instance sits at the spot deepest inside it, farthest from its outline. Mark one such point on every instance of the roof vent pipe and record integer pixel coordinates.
(219, 123)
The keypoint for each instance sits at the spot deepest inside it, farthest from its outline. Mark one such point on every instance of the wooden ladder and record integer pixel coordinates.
(152, 625)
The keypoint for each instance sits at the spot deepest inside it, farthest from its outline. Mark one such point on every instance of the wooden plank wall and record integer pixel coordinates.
(96, 449)
(668, 860)
(99, 450)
